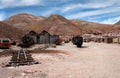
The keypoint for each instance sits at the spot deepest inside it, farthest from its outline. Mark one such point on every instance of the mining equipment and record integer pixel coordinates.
(77, 40)
(5, 43)
(26, 42)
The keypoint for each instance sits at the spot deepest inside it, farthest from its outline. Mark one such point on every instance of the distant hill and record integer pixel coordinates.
(23, 19)
(41, 18)
(117, 23)
(55, 24)
(91, 27)
(10, 32)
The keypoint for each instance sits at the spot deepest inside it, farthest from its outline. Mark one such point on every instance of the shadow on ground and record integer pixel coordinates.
(84, 47)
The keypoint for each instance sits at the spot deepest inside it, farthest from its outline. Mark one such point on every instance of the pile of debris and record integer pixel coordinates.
(20, 58)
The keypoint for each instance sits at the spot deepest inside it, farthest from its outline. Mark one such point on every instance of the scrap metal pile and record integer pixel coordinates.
(77, 40)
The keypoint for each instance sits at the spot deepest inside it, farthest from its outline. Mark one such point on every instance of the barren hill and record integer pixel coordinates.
(10, 32)
(23, 19)
(91, 27)
(55, 24)
(117, 23)
(41, 18)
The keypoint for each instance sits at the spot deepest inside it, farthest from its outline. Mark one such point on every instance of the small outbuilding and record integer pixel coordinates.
(43, 38)
(46, 38)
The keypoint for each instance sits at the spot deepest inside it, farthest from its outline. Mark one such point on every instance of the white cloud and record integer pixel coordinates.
(49, 12)
(111, 20)
(12, 3)
(100, 7)
(28, 2)
(84, 6)
(95, 12)
(92, 4)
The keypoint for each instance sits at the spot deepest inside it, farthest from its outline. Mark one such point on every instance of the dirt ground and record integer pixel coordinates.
(93, 60)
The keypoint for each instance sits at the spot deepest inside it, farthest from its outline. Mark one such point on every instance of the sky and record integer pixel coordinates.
(101, 11)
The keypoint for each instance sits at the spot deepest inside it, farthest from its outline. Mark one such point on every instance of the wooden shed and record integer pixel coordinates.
(42, 38)
(46, 38)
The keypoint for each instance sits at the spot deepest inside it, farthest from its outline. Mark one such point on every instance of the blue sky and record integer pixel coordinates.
(101, 11)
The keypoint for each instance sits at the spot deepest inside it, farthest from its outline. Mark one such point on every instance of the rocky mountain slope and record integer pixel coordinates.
(10, 32)
(55, 24)
(91, 27)
(23, 19)
(117, 23)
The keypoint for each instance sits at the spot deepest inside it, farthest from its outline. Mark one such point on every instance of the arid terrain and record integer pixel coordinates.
(57, 24)
(7, 31)
(59, 39)
(93, 60)
(18, 25)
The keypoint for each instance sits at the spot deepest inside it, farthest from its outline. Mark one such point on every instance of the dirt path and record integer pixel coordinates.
(94, 60)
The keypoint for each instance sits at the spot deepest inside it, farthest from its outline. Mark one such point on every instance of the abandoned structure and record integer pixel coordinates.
(45, 38)
(20, 58)
(42, 38)
(5, 43)
(77, 40)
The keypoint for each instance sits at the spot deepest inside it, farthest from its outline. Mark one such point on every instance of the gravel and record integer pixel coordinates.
(93, 60)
